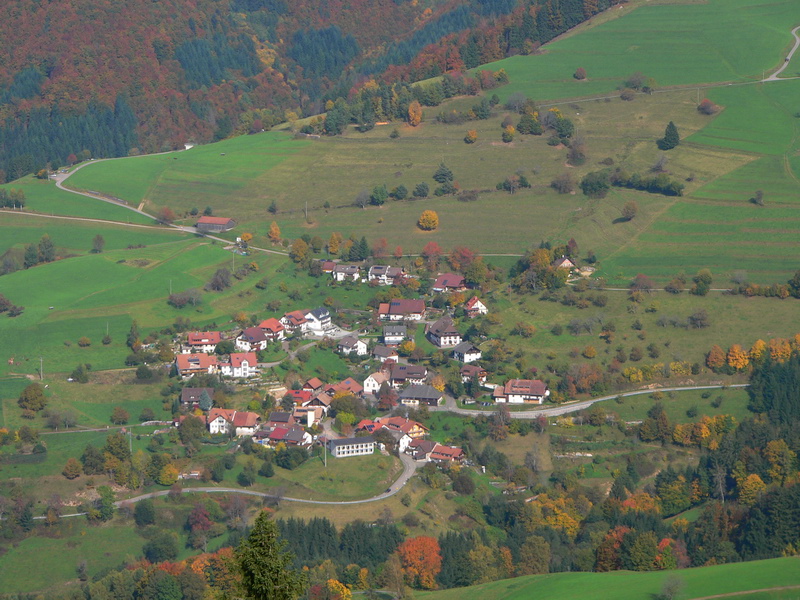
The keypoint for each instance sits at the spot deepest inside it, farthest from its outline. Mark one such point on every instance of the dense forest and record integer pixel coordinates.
(116, 79)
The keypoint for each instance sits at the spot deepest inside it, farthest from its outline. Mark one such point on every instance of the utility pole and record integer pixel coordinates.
(130, 441)
(41, 368)
(170, 287)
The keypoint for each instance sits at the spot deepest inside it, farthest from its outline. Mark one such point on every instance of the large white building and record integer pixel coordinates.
(358, 446)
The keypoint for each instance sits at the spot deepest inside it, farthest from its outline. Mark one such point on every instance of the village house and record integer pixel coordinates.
(228, 421)
(251, 339)
(402, 309)
(319, 321)
(373, 383)
(214, 224)
(385, 275)
(299, 397)
(295, 322)
(470, 372)
(349, 385)
(407, 374)
(393, 335)
(352, 345)
(431, 451)
(414, 429)
(414, 395)
(475, 308)
(289, 436)
(203, 341)
(189, 365)
(519, 391)
(273, 329)
(563, 263)
(327, 266)
(449, 282)
(321, 400)
(443, 333)
(313, 385)
(279, 418)
(242, 365)
(467, 352)
(358, 446)
(346, 273)
(382, 353)
(308, 416)
(190, 397)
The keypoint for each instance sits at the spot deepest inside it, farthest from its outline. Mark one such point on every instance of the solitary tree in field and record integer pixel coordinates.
(671, 137)
(414, 113)
(428, 220)
(629, 210)
(98, 243)
(580, 74)
(32, 398)
(166, 216)
(274, 233)
(471, 137)
(265, 566)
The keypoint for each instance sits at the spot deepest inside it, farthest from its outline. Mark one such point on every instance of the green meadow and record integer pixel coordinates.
(714, 582)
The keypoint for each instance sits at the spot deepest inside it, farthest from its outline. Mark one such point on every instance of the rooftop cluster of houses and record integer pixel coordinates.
(410, 437)
(376, 274)
(223, 420)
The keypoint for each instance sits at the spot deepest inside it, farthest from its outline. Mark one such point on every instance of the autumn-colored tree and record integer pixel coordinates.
(299, 252)
(758, 350)
(715, 359)
(414, 113)
(379, 248)
(428, 220)
(737, 357)
(398, 252)
(534, 556)
(432, 252)
(168, 475)
(781, 459)
(438, 382)
(421, 560)
(72, 469)
(334, 243)
(750, 488)
(165, 215)
(580, 74)
(461, 258)
(471, 137)
(247, 237)
(508, 134)
(780, 350)
(589, 352)
(336, 590)
(274, 233)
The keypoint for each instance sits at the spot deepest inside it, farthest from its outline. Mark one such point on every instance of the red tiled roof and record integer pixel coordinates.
(532, 387)
(402, 306)
(314, 383)
(299, 396)
(296, 317)
(200, 338)
(237, 358)
(272, 325)
(245, 419)
(190, 362)
(449, 280)
(214, 220)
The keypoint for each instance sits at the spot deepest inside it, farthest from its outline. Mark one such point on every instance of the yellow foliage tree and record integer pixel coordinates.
(750, 488)
(757, 350)
(780, 350)
(781, 458)
(471, 137)
(589, 352)
(737, 357)
(334, 242)
(168, 475)
(428, 220)
(407, 347)
(414, 113)
(336, 589)
(438, 382)
(246, 237)
(274, 233)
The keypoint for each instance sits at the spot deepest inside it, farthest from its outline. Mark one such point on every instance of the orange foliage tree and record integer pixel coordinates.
(414, 113)
(715, 358)
(737, 357)
(421, 561)
(274, 233)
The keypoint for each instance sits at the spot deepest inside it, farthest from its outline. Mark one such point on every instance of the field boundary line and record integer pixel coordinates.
(747, 592)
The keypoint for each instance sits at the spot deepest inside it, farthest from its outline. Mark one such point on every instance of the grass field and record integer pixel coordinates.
(716, 581)
(44, 197)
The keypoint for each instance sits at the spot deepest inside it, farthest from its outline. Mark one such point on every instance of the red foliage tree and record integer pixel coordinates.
(432, 252)
(421, 561)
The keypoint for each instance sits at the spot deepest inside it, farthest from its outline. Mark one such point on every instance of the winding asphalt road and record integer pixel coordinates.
(563, 409)
(776, 75)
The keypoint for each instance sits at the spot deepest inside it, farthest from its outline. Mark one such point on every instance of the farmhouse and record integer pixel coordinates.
(358, 446)
(327, 266)
(319, 321)
(403, 374)
(449, 282)
(470, 372)
(223, 420)
(467, 352)
(280, 419)
(251, 339)
(393, 335)
(313, 385)
(385, 275)
(352, 345)
(241, 365)
(382, 353)
(215, 224)
(190, 397)
(443, 333)
(414, 429)
(431, 451)
(373, 383)
(474, 308)
(349, 385)
(189, 365)
(563, 263)
(203, 341)
(346, 273)
(295, 322)
(402, 309)
(518, 391)
(273, 329)
(414, 395)
(321, 401)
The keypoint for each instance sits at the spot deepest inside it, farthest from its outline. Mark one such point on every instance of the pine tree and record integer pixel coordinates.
(205, 402)
(671, 137)
(31, 256)
(265, 565)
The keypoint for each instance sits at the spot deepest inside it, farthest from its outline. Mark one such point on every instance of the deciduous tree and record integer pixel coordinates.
(274, 233)
(428, 220)
(414, 113)
(421, 561)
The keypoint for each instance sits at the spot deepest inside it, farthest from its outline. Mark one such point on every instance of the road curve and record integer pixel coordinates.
(776, 75)
(450, 405)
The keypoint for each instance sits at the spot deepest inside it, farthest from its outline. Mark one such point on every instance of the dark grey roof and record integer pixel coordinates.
(421, 392)
(406, 371)
(321, 313)
(280, 417)
(368, 439)
(193, 394)
(383, 351)
(295, 434)
(395, 330)
(348, 342)
(443, 327)
(466, 348)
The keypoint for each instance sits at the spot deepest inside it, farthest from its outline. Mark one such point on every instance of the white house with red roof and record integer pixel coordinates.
(373, 383)
(273, 329)
(402, 309)
(519, 391)
(189, 365)
(385, 275)
(474, 308)
(251, 339)
(242, 365)
(202, 341)
(224, 420)
(295, 322)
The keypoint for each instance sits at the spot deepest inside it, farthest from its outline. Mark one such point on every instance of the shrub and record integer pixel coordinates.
(580, 74)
